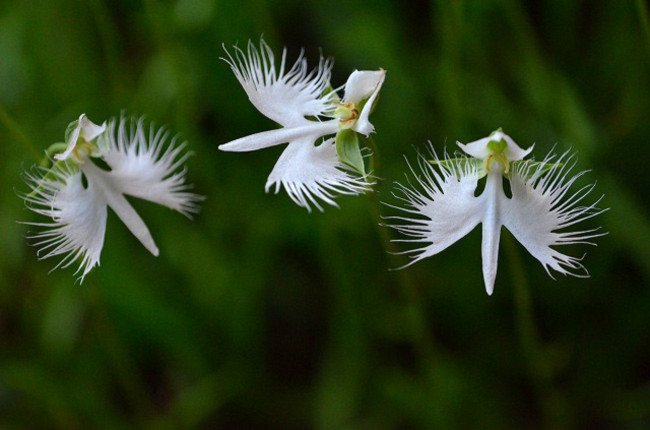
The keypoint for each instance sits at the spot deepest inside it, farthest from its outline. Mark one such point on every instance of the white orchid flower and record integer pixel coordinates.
(444, 208)
(76, 192)
(306, 107)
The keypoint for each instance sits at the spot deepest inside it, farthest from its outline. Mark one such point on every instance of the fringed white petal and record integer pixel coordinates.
(542, 205)
(440, 208)
(78, 216)
(143, 165)
(310, 173)
(286, 97)
(266, 139)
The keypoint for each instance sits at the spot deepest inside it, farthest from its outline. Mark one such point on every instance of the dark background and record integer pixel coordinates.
(260, 315)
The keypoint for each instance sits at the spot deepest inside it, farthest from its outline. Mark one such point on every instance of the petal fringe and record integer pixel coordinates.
(540, 208)
(143, 165)
(309, 173)
(285, 97)
(440, 205)
(78, 216)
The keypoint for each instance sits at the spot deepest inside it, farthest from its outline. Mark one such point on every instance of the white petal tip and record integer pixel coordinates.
(366, 128)
(489, 284)
(233, 146)
(89, 129)
(361, 84)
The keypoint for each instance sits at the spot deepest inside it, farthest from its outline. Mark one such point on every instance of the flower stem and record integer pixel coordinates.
(125, 369)
(410, 294)
(644, 18)
(107, 36)
(552, 401)
(374, 157)
(17, 133)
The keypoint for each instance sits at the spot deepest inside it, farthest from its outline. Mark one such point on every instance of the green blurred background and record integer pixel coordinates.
(260, 315)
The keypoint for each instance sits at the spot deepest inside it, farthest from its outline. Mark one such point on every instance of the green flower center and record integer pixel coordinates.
(497, 156)
(347, 114)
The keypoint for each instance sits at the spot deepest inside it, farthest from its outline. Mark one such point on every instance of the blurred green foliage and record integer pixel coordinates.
(260, 315)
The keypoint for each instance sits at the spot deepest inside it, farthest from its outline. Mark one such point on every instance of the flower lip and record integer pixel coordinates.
(483, 149)
(86, 129)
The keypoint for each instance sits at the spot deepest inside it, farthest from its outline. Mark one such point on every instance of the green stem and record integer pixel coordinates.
(168, 48)
(410, 294)
(540, 370)
(118, 355)
(374, 158)
(107, 35)
(17, 133)
(644, 17)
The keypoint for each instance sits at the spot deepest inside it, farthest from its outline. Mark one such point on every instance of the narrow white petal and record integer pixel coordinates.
(362, 84)
(78, 218)
(493, 198)
(270, 138)
(285, 97)
(476, 149)
(90, 130)
(143, 165)
(440, 208)
(539, 210)
(311, 173)
(367, 84)
(513, 151)
(104, 184)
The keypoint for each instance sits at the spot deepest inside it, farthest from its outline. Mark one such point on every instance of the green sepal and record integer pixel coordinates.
(348, 150)
(68, 131)
(359, 106)
(363, 102)
(461, 164)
